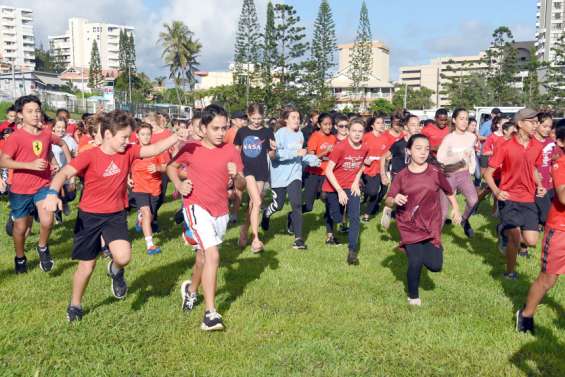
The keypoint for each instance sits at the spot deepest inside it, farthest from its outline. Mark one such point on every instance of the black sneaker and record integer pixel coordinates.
(45, 261)
(106, 252)
(352, 259)
(188, 299)
(343, 228)
(469, 232)
(74, 313)
(265, 222)
(119, 285)
(299, 244)
(511, 275)
(332, 241)
(212, 322)
(524, 324)
(21, 265)
(289, 224)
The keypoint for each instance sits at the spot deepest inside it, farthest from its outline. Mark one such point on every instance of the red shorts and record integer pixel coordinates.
(553, 252)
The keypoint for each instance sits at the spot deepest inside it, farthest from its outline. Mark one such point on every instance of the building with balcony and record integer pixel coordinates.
(73, 48)
(17, 42)
(550, 25)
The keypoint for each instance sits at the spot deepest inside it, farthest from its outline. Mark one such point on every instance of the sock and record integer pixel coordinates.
(114, 269)
(149, 241)
(21, 258)
(42, 249)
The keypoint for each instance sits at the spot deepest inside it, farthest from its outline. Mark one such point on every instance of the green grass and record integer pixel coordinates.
(288, 313)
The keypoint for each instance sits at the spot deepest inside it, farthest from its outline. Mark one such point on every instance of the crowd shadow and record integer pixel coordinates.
(541, 357)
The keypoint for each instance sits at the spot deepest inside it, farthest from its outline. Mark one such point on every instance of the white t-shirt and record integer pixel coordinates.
(58, 151)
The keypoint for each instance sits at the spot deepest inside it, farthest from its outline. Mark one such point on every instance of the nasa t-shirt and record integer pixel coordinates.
(255, 144)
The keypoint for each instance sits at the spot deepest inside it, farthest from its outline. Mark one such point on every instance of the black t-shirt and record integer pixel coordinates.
(398, 152)
(255, 144)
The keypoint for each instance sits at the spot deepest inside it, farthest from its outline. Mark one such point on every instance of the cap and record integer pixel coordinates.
(239, 115)
(525, 114)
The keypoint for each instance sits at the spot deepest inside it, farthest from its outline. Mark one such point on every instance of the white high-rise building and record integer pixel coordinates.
(550, 24)
(74, 47)
(17, 43)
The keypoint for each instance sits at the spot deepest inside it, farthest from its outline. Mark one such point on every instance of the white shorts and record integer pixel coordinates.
(208, 231)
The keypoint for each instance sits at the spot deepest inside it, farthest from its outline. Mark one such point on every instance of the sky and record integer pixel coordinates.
(414, 30)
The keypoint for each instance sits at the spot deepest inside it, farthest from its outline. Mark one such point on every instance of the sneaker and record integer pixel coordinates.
(212, 321)
(343, 228)
(332, 241)
(524, 324)
(265, 222)
(511, 275)
(414, 302)
(469, 232)
(119, 285)
(74, 313)
(10, 226)
(106, 252)
(386, 217)
(179, 217)
(58, 217)
(289, 224)
(21, 265)
(153, 250)
(299, 244)
(188, 299)
(524, 252)
(352, 259)
(365, 218)
(45, 261)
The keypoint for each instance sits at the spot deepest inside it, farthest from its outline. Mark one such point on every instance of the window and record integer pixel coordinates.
(556, 16)
(557, 5)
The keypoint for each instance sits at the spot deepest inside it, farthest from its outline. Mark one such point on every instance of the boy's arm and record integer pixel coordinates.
(159, 147)
(7, 162)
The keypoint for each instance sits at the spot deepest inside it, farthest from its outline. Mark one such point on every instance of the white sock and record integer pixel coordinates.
(149, 241)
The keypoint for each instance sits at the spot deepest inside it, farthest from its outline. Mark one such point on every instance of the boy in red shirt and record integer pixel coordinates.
(517, 159)
(553, 245)
(342, 187)
(101, 212)
(27, 153)
(146, 177)
(211, 164)
(436, 132)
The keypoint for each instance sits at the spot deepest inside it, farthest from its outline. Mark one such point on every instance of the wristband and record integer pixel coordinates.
(52, 192)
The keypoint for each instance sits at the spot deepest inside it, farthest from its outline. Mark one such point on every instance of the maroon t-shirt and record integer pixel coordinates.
(420, 218)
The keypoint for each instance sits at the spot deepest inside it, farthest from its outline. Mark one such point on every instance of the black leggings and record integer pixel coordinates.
(375, 192)
(312, 189)
(421, 254)
(294, 191)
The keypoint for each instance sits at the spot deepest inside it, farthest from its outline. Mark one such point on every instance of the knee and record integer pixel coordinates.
(86, 267)
(20, 227)
(212, 257)
(121, 259)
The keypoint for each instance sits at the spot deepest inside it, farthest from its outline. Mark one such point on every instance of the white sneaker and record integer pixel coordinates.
(386, 218)
(414, 302)
(188, 300)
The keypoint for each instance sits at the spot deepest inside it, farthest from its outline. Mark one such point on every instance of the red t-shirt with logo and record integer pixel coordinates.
(435, 135)
(517, 165)
(105, 178)
(377, 147)
(207, 169)
(317, 143)
(348, 161)
(23, 146)
(556, 216)
(143, 181)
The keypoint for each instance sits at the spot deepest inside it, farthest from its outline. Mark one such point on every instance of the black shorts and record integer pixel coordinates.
(90, 226)
(143, 199)
(544, 204)
(483, 162)
(518, 215)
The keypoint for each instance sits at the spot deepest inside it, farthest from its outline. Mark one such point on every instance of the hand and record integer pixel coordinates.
(232, 169)
(368, 161)
(38, 165)
(502, 196)
(456, 216)
(52, 203)
(152, 169)
(130, 182)
(184, 188)
(273, 145)
(55, 169)
(342, 196)
(541, 191)
(3, 186)
(384, 179)
(400, 200)
(302, 152)
(355, 189)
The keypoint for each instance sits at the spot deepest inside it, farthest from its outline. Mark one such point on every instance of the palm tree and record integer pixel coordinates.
(180, 53)
(160, 81)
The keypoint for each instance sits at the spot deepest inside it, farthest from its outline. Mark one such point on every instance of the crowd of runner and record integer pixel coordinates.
(112, 163)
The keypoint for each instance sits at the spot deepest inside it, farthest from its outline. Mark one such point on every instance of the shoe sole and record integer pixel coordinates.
(217, 327)
(517, 321)
(154, 252)
(183, 286)
(300, 248)
(108, 271)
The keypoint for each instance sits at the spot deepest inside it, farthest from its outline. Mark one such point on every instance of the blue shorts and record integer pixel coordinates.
(23, 205)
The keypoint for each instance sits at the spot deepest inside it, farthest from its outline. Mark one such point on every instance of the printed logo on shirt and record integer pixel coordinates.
(37, 147)
(252, 146)
(352, 162)
(111, 170)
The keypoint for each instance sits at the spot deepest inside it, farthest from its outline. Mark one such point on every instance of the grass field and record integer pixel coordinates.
(288, 313)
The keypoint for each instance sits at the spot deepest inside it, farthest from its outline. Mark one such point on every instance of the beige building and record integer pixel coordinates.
(17, 43)
(74, 47)
(213, 79)
(378, 85)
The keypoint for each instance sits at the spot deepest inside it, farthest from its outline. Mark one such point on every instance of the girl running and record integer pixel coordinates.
(415, 192)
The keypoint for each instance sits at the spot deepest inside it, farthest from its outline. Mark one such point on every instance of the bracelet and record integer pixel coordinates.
(52, 192)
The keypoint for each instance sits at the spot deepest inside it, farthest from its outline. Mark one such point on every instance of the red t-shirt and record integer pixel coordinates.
(391, 139)
(23, 146)
(143, 181)
(105, 178)
(348, 161)
(230, 135)
(377, 146)
(156, 137)
(556, 216)
(491, 142)
(435, 134)
(420, 218)
(317, 143)
(208, 171)
(517, 164)
(5, 124)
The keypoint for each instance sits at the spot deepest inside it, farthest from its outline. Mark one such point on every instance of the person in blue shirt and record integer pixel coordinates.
(485, 129)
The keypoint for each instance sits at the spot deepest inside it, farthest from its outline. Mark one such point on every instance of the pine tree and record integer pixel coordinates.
(269, 57)
(502, 62)
(531, 89)
(131, 53)
(555, 80)
(247, 40)
(324, 46)
(122, 55)
(95, 77)
(361, 61)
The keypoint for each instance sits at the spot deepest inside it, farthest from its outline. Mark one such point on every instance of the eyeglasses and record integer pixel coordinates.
(342, 126)
(533, 121)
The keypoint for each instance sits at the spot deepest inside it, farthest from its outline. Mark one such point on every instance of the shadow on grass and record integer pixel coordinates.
(542, 357)
(398, 264)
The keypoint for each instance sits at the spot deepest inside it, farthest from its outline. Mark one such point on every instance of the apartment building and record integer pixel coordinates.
(550, 24)
(17, 42)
